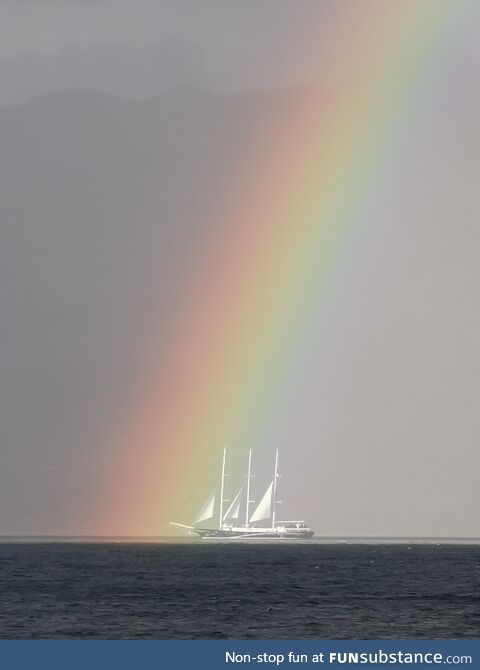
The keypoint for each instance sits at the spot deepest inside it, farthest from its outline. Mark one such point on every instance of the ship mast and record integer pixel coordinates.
(222, 486)
(249, 476)
(274, 496)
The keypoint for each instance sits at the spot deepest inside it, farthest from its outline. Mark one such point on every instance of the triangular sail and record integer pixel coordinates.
(264, 507)
(233, 512)
(207, 510)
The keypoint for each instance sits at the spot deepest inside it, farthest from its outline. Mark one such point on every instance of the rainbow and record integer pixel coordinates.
(283, 251)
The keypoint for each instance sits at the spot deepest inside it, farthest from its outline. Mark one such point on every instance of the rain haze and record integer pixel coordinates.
(121, 127)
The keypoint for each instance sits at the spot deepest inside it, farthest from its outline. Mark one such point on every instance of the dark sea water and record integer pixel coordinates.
(238, 591)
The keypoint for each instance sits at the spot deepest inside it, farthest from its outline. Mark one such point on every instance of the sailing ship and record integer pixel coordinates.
(228, 524)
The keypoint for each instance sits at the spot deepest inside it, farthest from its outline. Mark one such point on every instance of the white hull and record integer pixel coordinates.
(294, 531)
(256, 538)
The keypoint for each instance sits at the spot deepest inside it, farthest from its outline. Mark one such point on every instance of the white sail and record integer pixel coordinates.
(264, 507)
(207, 510)
(233, 512)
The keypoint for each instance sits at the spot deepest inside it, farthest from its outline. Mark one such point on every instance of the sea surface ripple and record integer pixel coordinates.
(238, 591)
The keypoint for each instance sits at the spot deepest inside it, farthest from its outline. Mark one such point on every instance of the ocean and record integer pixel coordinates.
(238, 591)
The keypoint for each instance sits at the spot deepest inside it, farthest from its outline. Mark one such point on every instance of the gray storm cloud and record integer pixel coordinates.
(116, 136)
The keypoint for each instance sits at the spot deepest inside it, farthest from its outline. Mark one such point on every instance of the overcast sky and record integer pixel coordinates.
(103, 203)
